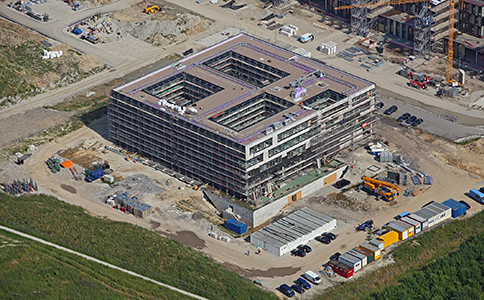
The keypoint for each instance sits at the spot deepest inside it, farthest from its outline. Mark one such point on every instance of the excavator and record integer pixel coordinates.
(152, 9)
(382, 189)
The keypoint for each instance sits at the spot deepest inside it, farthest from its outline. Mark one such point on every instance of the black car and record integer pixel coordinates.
(417, 122)
(403, 117)
(298, 252)
(298, 288)
(391, 110)
(341, 183)
(411, 120)
(379, 105)
(323, 239)
(335, 256)
(330, 235)
(466, 204)
(305, 248)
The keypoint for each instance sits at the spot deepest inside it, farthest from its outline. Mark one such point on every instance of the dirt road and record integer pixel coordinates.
(28, 236)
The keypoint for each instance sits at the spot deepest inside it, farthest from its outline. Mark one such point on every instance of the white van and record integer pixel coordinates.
(313, 277)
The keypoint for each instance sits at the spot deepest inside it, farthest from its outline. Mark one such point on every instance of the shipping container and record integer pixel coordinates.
(341, 269)
(457, 208)
(373, 249)
(235, 226)
(416, 224)
(410, 229)
(361, 256)
(377, 243)
(350, 260)
(389, 238)
(369, 255)
(424, 223)
(402, 231)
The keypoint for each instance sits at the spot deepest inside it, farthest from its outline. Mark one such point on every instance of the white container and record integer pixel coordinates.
(108, 178)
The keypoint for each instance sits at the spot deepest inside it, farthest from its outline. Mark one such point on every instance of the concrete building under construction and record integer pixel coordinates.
(244, 116)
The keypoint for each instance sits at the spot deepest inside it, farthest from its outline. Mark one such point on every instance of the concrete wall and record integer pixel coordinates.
(259, 216)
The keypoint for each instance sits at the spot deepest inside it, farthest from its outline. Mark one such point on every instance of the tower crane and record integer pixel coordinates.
(450, 46)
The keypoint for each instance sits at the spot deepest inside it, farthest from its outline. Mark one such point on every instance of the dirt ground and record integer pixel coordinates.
(185, 223)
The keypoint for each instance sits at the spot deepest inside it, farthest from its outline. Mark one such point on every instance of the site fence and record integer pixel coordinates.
(113, 260)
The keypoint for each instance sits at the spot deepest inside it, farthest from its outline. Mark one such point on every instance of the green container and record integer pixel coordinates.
(87, 172)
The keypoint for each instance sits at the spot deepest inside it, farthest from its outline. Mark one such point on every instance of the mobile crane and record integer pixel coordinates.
(380, 188)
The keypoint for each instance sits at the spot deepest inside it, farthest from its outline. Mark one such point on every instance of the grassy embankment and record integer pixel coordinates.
(125, 245)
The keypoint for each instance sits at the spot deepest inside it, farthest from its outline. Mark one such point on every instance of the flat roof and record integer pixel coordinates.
(221, 90)
(292, 227)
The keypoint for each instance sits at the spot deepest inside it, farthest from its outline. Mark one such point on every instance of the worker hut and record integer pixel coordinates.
(404, 230)
(143, 210)
(424, 223)
(429, 215)
(377, 243)
(341, 269)
(443, 211)
(350, 260)
(362, 257)
(369, 255)
(417, 227)
(373, 249)
(389, 238)
(457, 208)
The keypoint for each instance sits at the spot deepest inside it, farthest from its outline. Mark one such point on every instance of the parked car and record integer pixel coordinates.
(428, 203)
(391, 110)
(323, 239)
(417, 122)
(379, 105)
(302, 282)
(330, 235)
(366, 225)
(341, 183)
(298, 288)
(305, 248)
(298, 252)
(403, 117)
(466, 204)
(286, 290)
(411, 120)
(335, 256)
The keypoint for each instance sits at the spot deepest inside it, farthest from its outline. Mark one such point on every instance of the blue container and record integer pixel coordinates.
(77, 31)
(458, 209)
(235, 226)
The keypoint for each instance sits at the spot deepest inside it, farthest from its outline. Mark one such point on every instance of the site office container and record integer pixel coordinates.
(443, 212)
(235, 226)
(476, 195)
(416, 224)
(410, 228)
(389, 238)
(341, 269)
(373, 249)
(424, 223)
(457, 208)
(377, 243)
(430, 215)
(369, 255)
(351, 261)
(362, 257)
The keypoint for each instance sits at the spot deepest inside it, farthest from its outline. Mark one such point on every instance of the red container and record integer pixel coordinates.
(341, 269)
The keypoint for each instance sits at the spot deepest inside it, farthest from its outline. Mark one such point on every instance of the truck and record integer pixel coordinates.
(93, 175)
(307, 37)
(383, 190)
(476, 195)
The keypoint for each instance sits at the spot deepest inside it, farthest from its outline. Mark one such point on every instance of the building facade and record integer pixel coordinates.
(243, 116)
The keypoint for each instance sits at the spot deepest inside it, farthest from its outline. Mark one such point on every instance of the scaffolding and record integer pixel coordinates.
(422, 31)
(359, 19)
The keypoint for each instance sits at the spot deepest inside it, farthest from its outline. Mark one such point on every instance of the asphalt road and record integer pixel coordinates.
(432, 123)
(100, 262)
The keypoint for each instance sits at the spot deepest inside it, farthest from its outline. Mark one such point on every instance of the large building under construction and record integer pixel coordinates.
(243, 116)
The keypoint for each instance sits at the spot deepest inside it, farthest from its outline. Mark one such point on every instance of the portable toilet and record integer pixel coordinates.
(416, 224)
(457, 208)
(389, 238)
(424, 223)
(351, 261)
(377, 243)
(373, 249)
(361, 256)
(369, 255)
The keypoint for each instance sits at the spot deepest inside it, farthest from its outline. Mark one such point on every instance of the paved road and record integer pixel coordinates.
(432, 123)
(100, 262)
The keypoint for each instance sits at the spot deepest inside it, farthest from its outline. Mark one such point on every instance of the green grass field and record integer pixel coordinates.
(125, 245)
(31, 270)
